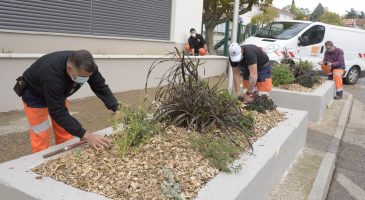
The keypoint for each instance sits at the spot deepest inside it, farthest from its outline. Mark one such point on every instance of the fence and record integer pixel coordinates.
(222, 36)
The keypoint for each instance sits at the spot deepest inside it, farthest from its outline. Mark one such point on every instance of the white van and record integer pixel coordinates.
(305, 40)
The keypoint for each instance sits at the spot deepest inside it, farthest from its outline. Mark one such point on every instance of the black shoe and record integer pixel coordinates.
(337, 97)
(330, 77)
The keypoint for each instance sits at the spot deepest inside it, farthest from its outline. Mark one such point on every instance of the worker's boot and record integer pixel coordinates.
(338, 95)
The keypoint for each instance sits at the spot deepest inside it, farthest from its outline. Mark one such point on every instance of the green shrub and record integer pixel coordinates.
(136, 128)
(281, 75)
(220, 151)
(170, 188)
(301, 68)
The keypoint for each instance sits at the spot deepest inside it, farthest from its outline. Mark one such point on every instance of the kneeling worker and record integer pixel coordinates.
(333, 65)
(196, 44)
(255, 67)
(44, 87)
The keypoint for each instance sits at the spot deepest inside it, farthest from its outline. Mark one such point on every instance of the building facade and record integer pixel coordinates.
(101, 26)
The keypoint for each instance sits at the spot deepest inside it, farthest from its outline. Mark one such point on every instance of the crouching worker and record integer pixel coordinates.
(333, 65)
(196, 44)
(255, 67)
(44, 88)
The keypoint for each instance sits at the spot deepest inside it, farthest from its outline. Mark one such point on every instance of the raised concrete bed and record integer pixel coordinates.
(273, 155)
(315, 102)
(122, 73)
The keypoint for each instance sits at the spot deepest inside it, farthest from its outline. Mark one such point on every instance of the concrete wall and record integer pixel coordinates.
(186, 14)
(315, 103)
(33, 42)
(274, 153)
(122, 73)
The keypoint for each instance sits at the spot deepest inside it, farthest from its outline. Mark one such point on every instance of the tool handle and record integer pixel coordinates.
(47, 155)
(52, 153)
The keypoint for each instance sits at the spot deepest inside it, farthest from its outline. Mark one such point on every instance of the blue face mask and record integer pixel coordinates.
(79, 79)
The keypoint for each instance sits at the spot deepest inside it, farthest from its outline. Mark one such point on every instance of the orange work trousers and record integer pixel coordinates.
(40, 129)
(263, 87)
(201, 51)
(337, 77)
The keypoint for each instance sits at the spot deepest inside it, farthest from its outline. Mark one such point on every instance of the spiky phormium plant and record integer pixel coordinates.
(188, 101)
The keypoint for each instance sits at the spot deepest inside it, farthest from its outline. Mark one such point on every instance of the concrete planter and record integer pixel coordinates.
(315, 102)
(273, 155)
(122, 73)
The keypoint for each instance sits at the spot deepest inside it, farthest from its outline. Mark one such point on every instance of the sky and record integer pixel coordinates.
(338, 6)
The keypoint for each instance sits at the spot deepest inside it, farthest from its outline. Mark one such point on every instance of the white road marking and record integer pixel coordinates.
(354, 190)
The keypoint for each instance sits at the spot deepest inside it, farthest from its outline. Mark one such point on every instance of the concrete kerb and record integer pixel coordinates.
(273, 155)
(324, 177)
(315, 102)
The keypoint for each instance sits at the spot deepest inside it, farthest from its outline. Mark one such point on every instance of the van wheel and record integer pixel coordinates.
(352, 75)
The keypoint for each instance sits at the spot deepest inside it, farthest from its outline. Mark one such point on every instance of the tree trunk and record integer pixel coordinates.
(209, 37)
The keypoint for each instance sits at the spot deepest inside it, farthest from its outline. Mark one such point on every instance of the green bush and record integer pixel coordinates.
(281, 75)
(219, 151)
(137, 128)
(301, 68)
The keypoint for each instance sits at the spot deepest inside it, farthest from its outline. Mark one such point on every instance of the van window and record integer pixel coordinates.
(281, 30)
(312, 36)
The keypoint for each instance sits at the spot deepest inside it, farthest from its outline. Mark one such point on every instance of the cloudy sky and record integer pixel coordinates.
(338, 6)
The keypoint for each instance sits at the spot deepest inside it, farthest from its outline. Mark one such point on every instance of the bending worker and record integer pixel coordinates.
(255, 67)
(48, 83)
(333, 65)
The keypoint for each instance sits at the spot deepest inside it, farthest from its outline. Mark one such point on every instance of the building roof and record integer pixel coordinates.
(354, 22)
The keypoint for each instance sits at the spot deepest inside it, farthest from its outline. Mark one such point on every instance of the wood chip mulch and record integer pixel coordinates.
(140, 174)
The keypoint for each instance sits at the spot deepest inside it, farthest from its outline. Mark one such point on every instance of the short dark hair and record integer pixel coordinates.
(328, 43)
(83, 59)
(192, 29)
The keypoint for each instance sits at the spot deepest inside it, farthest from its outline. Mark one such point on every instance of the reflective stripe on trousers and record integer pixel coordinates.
(40, 129)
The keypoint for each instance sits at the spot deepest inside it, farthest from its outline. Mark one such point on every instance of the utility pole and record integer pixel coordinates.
(233, 39)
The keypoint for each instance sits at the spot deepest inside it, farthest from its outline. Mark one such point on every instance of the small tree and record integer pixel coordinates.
(267, 16)
(331, 18)
(316, 14)
(351, 14)
(299, 13)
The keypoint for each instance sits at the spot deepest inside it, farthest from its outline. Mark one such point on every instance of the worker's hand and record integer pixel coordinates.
(206, 52)
(116, 114)
(329, 64)
(247, 98)
(96, 141)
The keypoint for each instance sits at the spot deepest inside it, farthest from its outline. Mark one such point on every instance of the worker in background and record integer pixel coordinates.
(47, 83)
(333, 65)
(196, 44)
(255, 67)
